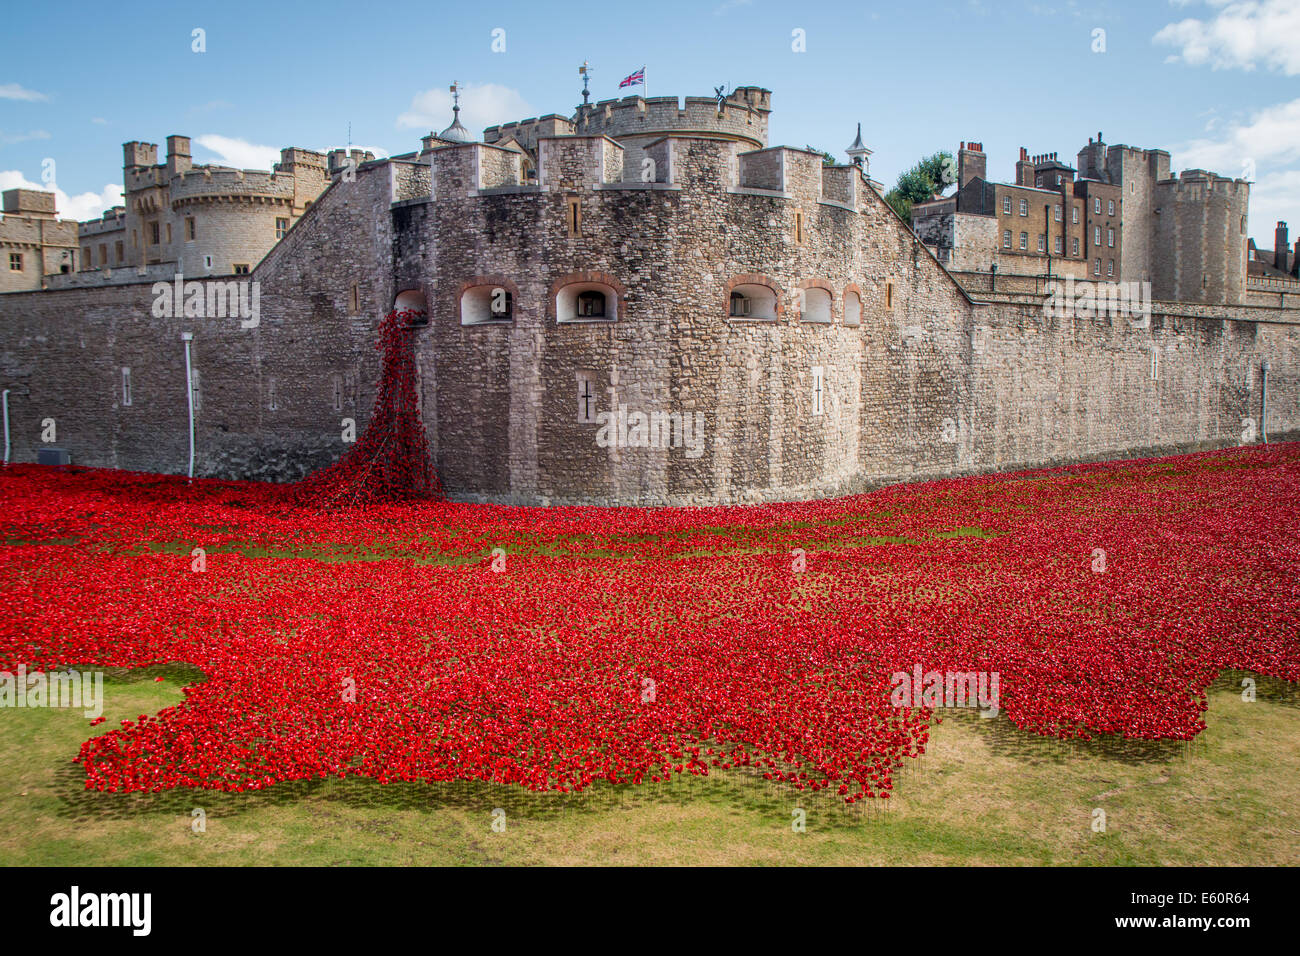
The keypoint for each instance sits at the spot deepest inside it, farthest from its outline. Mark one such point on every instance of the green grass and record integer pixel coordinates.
(985, 793)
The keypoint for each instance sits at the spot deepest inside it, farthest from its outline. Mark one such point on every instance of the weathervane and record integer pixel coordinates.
(455, 98)
(585, 70)
(720, 92)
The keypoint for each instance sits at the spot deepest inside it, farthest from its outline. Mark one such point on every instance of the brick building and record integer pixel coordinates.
(1120, 216)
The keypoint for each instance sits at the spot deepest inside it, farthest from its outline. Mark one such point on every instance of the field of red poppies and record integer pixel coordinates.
(553, 648)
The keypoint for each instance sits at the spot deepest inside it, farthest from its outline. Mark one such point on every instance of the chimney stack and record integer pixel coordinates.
(971, 163)
(1280, 247)
(1024, 169)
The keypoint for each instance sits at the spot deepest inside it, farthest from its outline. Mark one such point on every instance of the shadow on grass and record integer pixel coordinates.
(735, 791)
(1005, 739)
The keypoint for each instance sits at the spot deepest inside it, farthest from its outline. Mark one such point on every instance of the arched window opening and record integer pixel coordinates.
(751, 301)
(411, 307)
(816, 305)
(486, 303)
(586, 302)
(852, 308)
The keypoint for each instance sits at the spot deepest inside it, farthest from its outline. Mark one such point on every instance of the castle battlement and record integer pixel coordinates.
(743, 115)
(211, 183)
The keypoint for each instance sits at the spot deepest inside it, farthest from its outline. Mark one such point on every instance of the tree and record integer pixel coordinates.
(827, 158)
(930, 176)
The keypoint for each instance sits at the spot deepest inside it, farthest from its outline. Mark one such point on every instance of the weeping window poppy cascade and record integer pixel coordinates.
(391, 461)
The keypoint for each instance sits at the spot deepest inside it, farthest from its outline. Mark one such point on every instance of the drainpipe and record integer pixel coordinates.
(1263, 407)
(6, 414)
(188, 337)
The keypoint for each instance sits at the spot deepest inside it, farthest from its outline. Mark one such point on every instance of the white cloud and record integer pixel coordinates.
(82, 206)
(1275, 197)
(12, 91)
(1264, 148)
(1244, 34)
(99, 121)
(481, 105)
(239, 153)
(8, 138)
(1270, 138)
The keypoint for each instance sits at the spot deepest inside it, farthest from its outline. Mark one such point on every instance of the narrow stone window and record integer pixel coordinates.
(189, 228)
(120, 251)
(241, 268)
(798, 225)
(169, 233)
(153, 233)
(889, 295)
(126, 387)
(207, 263)
(271, 398)
(818, 389)
(1155, 363)
(281, 228)
(196, 390)
(573, 217)
(336, 392)
(354, 300)
(87, 259)
(586, 382)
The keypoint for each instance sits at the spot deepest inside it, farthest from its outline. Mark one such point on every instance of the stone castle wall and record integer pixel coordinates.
(929, 382)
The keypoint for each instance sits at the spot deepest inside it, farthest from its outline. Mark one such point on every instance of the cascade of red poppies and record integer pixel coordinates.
(392, 460)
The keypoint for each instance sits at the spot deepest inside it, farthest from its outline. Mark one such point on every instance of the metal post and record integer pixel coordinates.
(187, 337)
(1263, 405)
(6, 415)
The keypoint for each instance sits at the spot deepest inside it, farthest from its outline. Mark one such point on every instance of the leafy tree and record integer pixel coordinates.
(827, 158)
(931, 175)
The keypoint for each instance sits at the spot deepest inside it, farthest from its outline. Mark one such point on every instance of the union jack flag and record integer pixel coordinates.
(634, 79)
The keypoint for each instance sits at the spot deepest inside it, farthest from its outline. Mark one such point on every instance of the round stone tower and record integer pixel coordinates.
(740, 117)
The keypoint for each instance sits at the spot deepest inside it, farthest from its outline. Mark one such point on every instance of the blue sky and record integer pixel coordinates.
(1217, 82)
